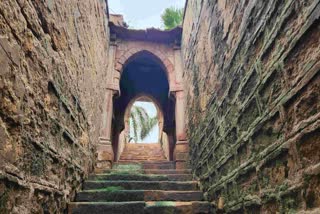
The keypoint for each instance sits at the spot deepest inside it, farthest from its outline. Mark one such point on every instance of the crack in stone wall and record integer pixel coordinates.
(53, 57)
(253, 77)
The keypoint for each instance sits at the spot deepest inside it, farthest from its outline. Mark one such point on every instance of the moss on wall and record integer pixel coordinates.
(256, 66)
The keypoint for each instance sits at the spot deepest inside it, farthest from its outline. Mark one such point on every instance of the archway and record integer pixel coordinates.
(146, 102)
(144, 76)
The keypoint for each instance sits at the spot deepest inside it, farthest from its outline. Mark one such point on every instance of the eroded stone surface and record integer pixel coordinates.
(53, 63)
(252, 72)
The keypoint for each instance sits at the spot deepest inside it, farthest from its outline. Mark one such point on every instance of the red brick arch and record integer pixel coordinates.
(124, 56)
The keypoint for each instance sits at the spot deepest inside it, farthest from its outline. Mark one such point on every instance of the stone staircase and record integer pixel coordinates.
(143, 181)
(142, 152)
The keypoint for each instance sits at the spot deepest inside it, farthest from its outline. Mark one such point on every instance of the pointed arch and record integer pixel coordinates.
(123, 58)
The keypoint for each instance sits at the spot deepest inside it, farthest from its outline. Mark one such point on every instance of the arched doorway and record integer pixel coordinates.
(144, 77)
(149, 106)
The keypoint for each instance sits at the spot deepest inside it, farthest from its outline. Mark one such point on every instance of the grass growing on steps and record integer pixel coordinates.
(134, 174)
(129, 172)
(167, 207)
(107, 189)
(129, 167)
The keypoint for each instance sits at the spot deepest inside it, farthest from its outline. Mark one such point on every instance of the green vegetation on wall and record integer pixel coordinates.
(172, 17)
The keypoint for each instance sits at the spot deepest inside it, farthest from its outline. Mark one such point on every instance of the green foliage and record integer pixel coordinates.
(172, 17)
(141, 122)
(147, 127)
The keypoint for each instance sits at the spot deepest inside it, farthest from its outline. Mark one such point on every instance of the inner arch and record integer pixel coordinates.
(143, 73)
(153, 109)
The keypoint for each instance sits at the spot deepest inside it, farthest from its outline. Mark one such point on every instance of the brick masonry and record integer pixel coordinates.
(53, 57)
(253, 93)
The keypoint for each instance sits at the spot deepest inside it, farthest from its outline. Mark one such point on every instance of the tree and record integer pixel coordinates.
(142, 123)
(172, 17)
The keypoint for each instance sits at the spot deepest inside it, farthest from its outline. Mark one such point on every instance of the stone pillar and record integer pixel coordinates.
(180, 116)
(105, 155)
(181, 150)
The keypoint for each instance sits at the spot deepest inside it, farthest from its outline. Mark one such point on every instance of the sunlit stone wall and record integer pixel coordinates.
(53, 63)
(252, 73)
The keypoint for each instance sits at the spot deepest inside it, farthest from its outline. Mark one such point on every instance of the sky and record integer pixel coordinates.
(152, 112)
(142, 14)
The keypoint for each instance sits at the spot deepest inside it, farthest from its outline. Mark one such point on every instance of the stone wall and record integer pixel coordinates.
(53, 57)
(253, 81)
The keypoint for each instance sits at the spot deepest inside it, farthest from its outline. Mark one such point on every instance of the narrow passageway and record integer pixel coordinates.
(235, 91)
(144, 177)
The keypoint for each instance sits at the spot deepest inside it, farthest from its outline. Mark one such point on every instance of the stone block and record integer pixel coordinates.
(182, 156)
(105, 152)
(182, 165)
(182, 147)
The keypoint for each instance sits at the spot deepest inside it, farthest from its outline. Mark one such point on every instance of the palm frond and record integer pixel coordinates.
(134, 122)
(142, 124)
(148, 126)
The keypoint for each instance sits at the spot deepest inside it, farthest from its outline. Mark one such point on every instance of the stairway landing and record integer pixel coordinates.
(135, 152)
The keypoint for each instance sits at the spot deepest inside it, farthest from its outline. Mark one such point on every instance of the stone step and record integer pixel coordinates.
(143, 158)
(142, 151)
(191, 207)
(146, 164)
(143, 154)
(138, 195)
(106, 207)
(167, 171)
(136, 156)
(141, 177)
(143, 162)
(159, 166)
(140, 207)
(150, 171)
(142, 185)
